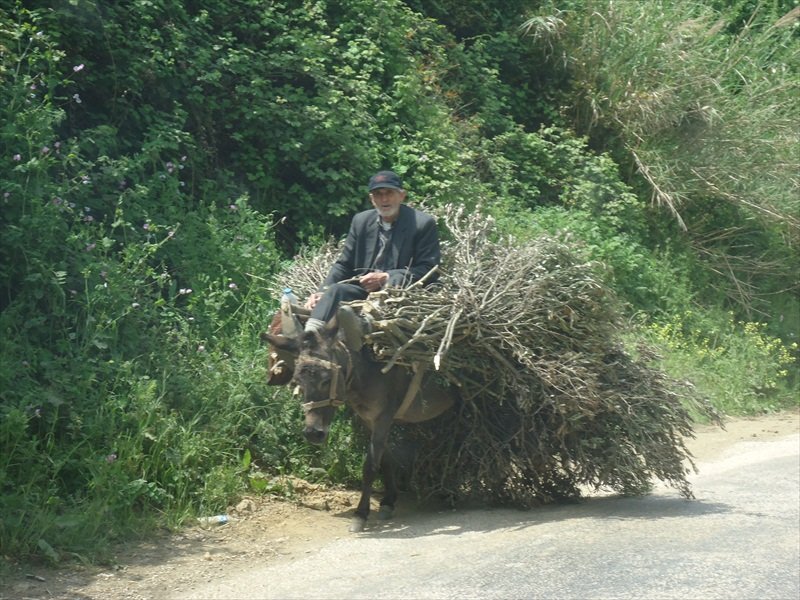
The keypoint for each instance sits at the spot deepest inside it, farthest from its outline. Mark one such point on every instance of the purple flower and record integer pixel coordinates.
(170, 167)
(57, 201)
(146, 226)
(17, 157)
(111, 458)
(88, 218)
(77, 68)
(45, 149)
(57, 145)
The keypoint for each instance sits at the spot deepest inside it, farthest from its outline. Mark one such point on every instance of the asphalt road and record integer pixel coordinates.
(740, 539)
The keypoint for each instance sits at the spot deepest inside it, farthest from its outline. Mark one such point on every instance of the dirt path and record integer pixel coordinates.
(267, 532)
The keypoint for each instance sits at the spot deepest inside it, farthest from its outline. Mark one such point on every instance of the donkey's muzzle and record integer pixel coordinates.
(315, 435)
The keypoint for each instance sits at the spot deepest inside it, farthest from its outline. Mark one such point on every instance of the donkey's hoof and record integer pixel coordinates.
(386, 512)
(357, 525)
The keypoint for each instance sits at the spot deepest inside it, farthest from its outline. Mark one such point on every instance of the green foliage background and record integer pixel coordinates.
(160, 160)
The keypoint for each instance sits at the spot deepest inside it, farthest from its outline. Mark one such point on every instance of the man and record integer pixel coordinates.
(389, 245)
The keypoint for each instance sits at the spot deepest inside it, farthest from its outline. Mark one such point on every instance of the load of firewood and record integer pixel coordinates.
(552, 401)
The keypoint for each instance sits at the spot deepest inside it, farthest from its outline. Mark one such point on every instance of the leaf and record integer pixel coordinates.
(246, 458)
(48, 550)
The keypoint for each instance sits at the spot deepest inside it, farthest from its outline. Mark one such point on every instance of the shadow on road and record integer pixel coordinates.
(423, 520)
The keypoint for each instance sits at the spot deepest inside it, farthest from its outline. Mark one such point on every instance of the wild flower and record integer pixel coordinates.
(201, 348)
(146, 226)
(135, 305)
(90, 247)
(45, 149)
(79, 67)
(233, 286)
(111, 458)
(77, 98)
(17, 157)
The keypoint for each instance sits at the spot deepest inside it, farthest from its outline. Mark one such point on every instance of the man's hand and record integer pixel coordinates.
(372, 282)
(313, 299)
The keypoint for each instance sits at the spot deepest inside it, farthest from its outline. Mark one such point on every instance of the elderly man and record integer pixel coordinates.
(389, 245)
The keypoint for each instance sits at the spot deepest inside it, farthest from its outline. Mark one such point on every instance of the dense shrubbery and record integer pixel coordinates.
(159, 161)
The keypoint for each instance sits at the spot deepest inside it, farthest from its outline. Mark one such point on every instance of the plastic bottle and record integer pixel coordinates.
(288, 296)
(215, 520)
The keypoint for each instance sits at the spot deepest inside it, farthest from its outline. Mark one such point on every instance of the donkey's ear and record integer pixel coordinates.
(331, 328)
(287, 344)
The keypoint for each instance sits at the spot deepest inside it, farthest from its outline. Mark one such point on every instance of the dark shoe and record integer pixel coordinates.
(353, 327)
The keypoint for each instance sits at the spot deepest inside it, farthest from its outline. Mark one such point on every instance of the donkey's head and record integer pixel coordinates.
(321, 369)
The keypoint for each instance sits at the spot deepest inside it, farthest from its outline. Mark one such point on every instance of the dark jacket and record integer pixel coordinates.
(413, 251)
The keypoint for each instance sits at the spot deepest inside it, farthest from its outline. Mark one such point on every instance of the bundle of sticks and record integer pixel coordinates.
(552, 401)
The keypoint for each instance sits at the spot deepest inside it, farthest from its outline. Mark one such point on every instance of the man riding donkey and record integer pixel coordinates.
(390, 245)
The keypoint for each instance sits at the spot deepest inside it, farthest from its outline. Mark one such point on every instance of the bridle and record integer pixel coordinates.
(333, 399)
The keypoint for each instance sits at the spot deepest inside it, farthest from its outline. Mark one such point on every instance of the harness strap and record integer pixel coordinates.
(319, 404)
(332, 399)
(411, 392)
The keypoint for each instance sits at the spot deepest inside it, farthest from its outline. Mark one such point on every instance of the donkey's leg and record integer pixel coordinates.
(388, 473)
(377, 445)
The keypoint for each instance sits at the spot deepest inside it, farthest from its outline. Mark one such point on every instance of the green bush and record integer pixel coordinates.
(736, 364)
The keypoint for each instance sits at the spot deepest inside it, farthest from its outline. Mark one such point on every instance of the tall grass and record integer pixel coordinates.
(702, 110)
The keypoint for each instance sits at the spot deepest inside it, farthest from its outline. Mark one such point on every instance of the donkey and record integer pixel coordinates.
(329, 374)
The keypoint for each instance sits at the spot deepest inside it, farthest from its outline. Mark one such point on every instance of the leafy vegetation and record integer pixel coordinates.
(161, 160)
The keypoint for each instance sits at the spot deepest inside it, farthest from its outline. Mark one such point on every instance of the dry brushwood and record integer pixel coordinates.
(528, 333)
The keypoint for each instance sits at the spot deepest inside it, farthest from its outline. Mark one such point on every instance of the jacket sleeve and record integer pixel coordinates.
(425, 254)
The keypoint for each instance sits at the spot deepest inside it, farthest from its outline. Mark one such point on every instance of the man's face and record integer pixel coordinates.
(387, 202)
